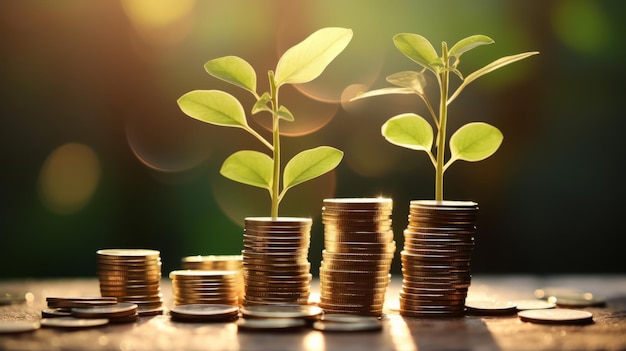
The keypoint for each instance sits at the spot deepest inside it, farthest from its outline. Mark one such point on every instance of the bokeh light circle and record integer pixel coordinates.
(69, 177)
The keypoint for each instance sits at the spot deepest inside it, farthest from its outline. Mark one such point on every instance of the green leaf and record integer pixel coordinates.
(418, 49)
(501, 62)
(285, 114)
(214, 107)
(261, 104)
(409, 79)
(410, 131)
(249, 167)
(474, 142)
(310, 164)
(234, 70)
(468, 44)
(383, 91)
(308, 59)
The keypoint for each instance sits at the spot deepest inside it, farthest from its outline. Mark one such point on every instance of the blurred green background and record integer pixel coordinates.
(96, 154)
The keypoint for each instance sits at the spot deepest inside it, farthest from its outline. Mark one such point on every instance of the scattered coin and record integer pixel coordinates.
(556, 316)
(79, 301)
(371, 325)
(9, 298)
(490, 307)
(204, 313)
(282, 311)
(72, 323)
(121, 309)
(270, 324)
(11, 327)
(55, 312)
(523, 305)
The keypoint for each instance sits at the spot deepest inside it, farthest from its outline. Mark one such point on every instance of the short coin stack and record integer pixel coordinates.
(132, 275)
(218, 263)
(275, 260)
(205, 287)
(438, 243)
(359, 248)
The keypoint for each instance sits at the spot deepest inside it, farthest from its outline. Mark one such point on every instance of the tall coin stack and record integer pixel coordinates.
(275, 260)
(132, 275)
(438, 243)
(205, 287)
(218, 263)
(359, 248)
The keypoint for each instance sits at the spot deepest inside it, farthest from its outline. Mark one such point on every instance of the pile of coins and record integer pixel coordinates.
(132, 275)
(85, 311)
(359, 248)
(218, 263)
(275, 260)
(205, 287)
(438, 243)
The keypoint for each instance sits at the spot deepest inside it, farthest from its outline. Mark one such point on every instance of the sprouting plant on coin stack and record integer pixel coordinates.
(300, 64)
(472, 142)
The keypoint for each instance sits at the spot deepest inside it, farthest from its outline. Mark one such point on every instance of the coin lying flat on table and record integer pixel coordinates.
(9, 298)
(339, 322)
(266, 324)
(121, 309)
(79, 301)
(73, 323)
(556, 316)
(204, 312)
(282, 311)
(490, 307)
(523, 305)
(55, 312)
(10, 327)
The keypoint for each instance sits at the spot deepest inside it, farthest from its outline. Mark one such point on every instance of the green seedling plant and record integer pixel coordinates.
(300, 64)
(472, 142)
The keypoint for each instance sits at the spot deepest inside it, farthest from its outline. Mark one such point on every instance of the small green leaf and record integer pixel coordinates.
(410, 131)
(409, 79)
(310, 164)
(383, 91)
(308, 59)
(501, 62)
(214, 107)
(285, 114)
(468, 44)
(418, 49)
(249, 167)
(261, 104)
(234, 70)
(474, 142)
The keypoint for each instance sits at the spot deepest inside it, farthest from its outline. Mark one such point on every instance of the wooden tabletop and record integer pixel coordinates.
(607, 332)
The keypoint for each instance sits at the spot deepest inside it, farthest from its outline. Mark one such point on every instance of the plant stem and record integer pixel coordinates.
(444, 79)
(276, 151)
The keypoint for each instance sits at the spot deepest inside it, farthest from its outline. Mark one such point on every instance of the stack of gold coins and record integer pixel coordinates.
(218, 263)
(359, 247)
(275, 260)
(438, 242)
(192, 287)
(132, 275)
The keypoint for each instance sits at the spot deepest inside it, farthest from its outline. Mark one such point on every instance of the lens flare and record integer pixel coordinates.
(309, 116)
(69, 177)
(162, 24)
(172, 151)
